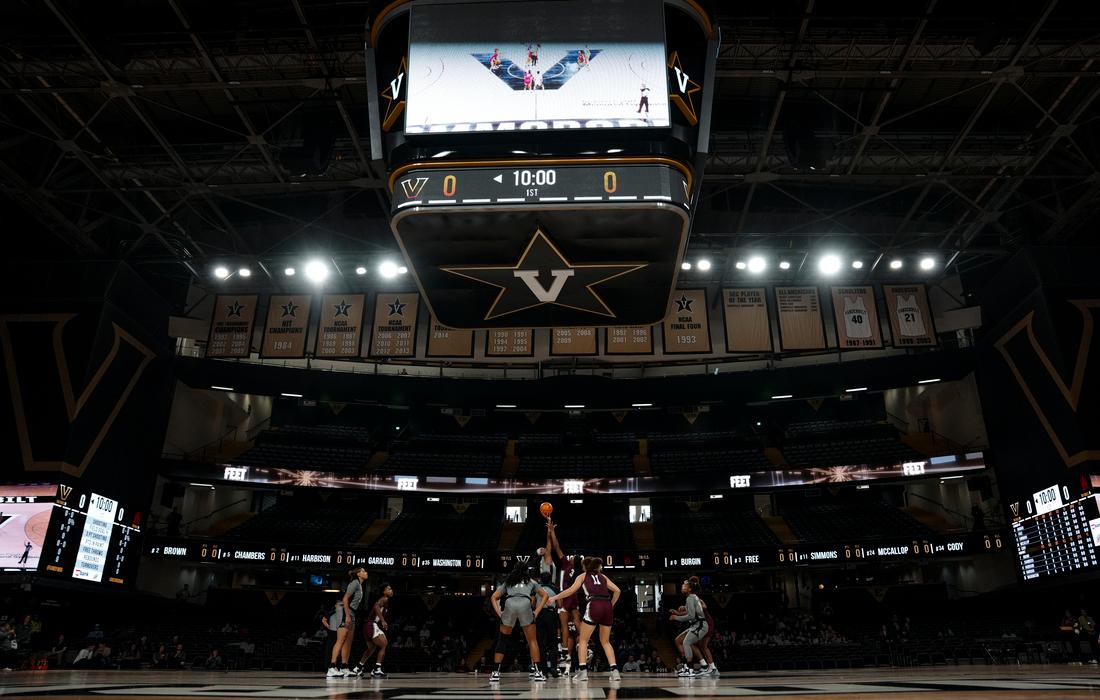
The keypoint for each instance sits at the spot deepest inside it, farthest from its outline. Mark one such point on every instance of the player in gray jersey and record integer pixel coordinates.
(345, 634)
(512, 604)
(696, 618)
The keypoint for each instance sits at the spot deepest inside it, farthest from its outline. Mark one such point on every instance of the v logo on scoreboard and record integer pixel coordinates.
(684, 97)
(395, 96)
(545, 296)
(41, 335)
(413, 187)
(1055, 403)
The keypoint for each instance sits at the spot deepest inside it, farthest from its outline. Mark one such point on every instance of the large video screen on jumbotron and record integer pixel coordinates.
(518, 65)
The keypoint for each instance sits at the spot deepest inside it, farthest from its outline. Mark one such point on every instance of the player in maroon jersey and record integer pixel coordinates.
(601, 594)
(569, 609)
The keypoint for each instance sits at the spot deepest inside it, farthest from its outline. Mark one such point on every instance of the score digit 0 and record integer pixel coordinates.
(610, 182)
(450, 186)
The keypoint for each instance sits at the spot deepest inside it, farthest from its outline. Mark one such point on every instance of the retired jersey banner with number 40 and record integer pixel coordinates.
(856, 316)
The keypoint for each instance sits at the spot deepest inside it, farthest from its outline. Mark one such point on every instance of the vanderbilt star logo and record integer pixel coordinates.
(341, 308)
(289, 308)
(685, 89)
(397, 308)
(683, 304)
(234, 309)
(395, 96)
(544, 276)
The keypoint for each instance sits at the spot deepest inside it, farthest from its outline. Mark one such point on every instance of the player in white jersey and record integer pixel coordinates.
(910, 318)
(856, 323)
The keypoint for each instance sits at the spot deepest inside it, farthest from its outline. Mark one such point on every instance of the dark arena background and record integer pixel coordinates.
(329, 328)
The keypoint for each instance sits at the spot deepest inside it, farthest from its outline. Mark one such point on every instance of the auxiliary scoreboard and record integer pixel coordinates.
(543, 157)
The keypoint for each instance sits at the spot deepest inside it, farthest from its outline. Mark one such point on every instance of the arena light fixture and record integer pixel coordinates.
(221, 272)
(783, 396)
(715, 496)
(402, 270)
(506, 405)
(641, 405)
(290, 272)
(576, 500)
(316, 271)
(757, 264)
(291, 396)
(388, 269)
(929, 381)
(855, 389)
(360, 270)
(574, 405)
(927, 264)
(784, 265)
(896, 264)
(740, 265)
(857, 264)
(685, 265)
(433, 499)
(862, 487)
(829, 264)
(703, 265)
(201, 485)
(221, 388)
(244, 272)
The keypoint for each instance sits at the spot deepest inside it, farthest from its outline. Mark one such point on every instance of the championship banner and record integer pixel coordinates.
(340, 329)
(393, 333)
(685, 327)
(231, 325)
(747, 326)
(856, 318)
(509, 342)
(286, 328)
(629, 340)
(573, 341)
(448, 342)
(911, 322)
(800, 324)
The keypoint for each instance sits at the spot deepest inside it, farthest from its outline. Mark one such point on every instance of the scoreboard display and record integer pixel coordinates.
(543, 157)
(91, 537)
(524, 64)
(1057, 535)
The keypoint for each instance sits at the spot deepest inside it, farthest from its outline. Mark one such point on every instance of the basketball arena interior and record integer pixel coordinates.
(507, 349)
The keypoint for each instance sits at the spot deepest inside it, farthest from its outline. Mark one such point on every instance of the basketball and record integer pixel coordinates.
(546, 509)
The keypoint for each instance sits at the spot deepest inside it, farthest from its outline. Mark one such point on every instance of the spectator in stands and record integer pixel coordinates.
(303, 640)
(179, 657)
(160, 659)
(96, 633)
(631, 664)
(131, 658)
(84, 657)
(1087, 627)
(214, 662)
(56, 654)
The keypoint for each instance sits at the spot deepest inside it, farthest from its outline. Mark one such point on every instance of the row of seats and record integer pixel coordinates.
(871, 450)
(582, 465)
(309, 457)
(443, 464)
(706, 528)
(676, 462)
(334, 523)
(441, 526)
(808, 427)
(835, 521)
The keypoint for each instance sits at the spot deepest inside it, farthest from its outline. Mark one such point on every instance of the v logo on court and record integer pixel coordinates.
(1056, 404)
(544, 276)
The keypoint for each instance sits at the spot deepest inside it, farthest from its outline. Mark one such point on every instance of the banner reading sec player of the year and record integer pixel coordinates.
(393, 332)
(747, 325)
(800, 324)
(910, 316)
(286, 326)
(231, 325)
(856, 317)
(686, 329)
(340, 329)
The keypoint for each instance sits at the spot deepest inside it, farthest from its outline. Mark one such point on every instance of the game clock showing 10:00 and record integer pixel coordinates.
(539, 185)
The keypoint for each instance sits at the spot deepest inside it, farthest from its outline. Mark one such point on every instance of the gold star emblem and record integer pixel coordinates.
(683, 89)
(544, 276)
(395, 103)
